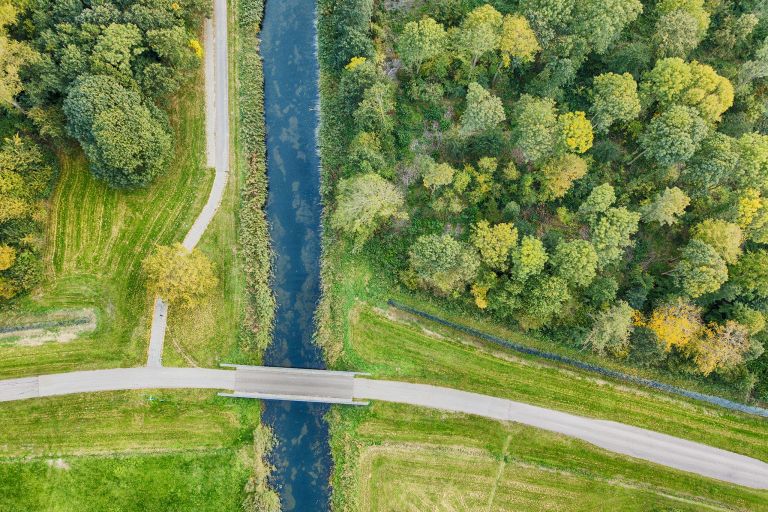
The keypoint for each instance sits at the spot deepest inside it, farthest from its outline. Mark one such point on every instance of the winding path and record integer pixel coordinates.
(342, 387)
(216, 67)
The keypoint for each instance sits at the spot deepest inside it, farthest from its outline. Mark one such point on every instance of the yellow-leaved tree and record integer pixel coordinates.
(180, 276)
(676, 324)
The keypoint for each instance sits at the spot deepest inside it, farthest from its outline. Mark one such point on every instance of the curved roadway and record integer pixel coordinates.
(616, 437)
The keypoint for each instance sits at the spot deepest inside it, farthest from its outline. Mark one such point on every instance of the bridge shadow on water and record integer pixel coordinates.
(301, 457)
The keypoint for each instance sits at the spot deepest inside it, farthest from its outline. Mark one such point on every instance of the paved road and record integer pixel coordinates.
(338, 387)
(216, 67)
(616, 437)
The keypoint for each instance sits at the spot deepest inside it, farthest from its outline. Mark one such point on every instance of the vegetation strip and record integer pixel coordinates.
(722, 402)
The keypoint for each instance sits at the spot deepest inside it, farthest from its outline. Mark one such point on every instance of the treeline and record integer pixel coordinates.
(593, 170)
(95, 73)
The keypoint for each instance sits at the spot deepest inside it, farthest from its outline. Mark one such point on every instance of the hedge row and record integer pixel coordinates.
(254, 231)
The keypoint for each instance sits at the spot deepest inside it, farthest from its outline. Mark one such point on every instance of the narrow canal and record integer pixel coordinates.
(301, 458)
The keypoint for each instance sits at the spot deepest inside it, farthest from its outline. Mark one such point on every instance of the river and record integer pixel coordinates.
(301, 457)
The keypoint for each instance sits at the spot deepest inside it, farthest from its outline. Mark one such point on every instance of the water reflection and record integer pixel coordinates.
(302, 458)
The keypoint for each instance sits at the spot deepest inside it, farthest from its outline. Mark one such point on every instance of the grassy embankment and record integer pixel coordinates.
(149, 450)
(97, 238)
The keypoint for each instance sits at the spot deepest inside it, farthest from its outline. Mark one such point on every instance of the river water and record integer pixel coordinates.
(301, 457)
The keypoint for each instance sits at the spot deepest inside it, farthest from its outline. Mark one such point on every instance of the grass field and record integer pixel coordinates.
(396, 458)
(127, 451)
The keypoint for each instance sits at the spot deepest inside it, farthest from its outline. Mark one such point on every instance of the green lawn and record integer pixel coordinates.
(126, 451)
(398, 458)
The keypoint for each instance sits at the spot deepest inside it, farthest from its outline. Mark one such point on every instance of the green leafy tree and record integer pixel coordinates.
(611, 330)
(599, 23)
(694, 8)
(128, 143)
(365, 154)
(478, 34)
(612, 234)
(724, 237)
(529, 258)
(674, 136)
(13, 55)
(535, 128)
(558, 174)
(494, 243)
(750, 273)
(420, 42)
(599, 200)
(364, 204)
(674, 82)
(667, 207)
(751, 170)
(614, 98)
(483, 111)
(443, 264)
(700, 269)
(518, 41)
(676, 34)
(544, 299)
(180, 276)
(438, 175)
(576, 262)
(714, 161)
(375, 113)
(116, 48)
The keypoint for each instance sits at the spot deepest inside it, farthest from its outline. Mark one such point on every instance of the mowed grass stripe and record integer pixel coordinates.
(397, 350)
(393, 457)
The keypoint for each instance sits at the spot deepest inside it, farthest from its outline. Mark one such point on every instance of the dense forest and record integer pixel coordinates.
(596, 171)
(95, 74)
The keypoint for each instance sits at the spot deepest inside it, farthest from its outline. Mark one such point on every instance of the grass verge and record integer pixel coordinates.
(393, 457)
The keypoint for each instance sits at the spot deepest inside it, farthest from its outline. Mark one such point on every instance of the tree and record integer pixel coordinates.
(442, 263)
(483, 112)
(115, 50)
(529, 258)
(720, 346)
(694, 8)
(714, 161)
(576, 262)
(364, 204)
(420, 42)
(673, 81)
(558, 174)
(674, 136)
(542, 301)
(611, 330)
(614, 98)
(724, 237)
(599, 200)
(128, 143)
(13, 55)
(750, 273)
(667, 207)
(611, 235)
(7, 257)
(535, 127)
(479, 33)
(494, 243)
(375, 113)
(517, 41)
(598, 23)
(752, 167)
(676, 34)
(700, 269)
(180, 276)
(365, 154)
(577, 131)
(438, 175)
(675, 324)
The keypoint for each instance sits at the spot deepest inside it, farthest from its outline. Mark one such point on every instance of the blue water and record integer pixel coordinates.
(301, 457)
